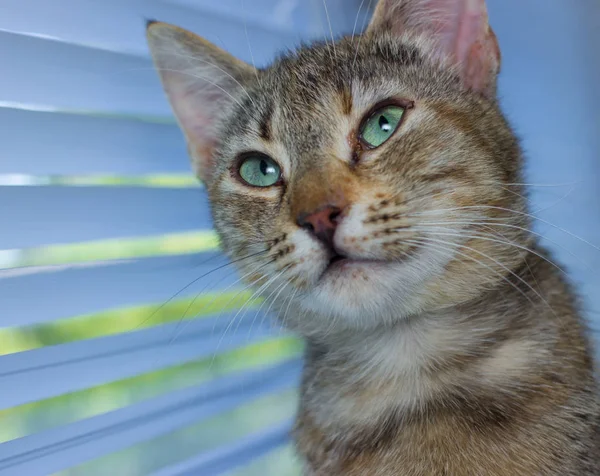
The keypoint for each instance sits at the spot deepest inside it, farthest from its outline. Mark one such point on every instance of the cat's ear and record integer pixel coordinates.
(200, 80)
(459, 28)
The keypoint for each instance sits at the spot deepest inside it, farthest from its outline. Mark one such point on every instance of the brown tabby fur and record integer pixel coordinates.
(459, 350)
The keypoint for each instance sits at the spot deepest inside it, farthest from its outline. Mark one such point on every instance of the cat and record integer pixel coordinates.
(371, 190)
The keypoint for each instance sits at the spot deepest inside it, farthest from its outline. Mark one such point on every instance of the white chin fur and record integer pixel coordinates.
(367, 295)
(360, 295)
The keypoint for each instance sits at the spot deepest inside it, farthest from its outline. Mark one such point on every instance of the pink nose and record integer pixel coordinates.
(322, 223)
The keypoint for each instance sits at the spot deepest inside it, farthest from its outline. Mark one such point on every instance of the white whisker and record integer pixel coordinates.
(330, 29)
(279, 290)
(356, 19)
(491, 222)
(507, 269)
(234, 99)
(244, 308)
(524, 214)
(483, 237)
(360, 37)
(248, 41)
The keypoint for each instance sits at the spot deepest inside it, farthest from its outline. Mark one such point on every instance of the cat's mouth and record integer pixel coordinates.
(338, 263)
(337, 258)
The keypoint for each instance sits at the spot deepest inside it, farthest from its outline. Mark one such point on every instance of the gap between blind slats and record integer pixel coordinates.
(44, 143)
(40, 215)
(48, 296)
(225, 459)
(56, 370)
(69, 445)
(64, 77)
(118, 26)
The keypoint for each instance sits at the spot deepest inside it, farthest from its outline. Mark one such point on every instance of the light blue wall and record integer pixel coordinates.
(549, 90)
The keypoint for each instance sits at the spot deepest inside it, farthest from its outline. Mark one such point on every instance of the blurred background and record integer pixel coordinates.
(118, 352)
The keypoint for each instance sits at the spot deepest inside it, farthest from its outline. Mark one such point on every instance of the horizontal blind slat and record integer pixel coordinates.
(81, 441)
(74, 291)
(279, 14)
(45, 143)
(118, 25)
(51, 371)
(224, 460)
(33, 216)
(64, 77)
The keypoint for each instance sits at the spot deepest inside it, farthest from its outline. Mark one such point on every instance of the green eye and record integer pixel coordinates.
(260, 171)
(381, 125)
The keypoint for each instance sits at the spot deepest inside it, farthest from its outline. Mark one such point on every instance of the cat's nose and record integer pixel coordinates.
(321, 223)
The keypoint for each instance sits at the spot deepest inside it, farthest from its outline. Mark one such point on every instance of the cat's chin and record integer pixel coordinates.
(342, 267)
(358, 292)
(362, 293)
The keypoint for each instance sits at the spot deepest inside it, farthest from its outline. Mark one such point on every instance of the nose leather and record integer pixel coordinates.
(322, 223)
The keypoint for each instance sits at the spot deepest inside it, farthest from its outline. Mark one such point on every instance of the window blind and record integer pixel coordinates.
(126, 343)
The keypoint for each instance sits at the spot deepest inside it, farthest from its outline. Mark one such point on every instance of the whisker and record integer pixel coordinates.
(494, 223)
(360, 37)
(182, 323)
(356, 19)
(234, 99)
(240, 279)
(257, 293)
(290, 300)
(244, 289)
(279, 290)
(541, 185)
(517, 212)
(230, 324)
(248, 41)
(180, 328)
(512, 192)
(538, 295)
(217, 67)
(484, 237)
(330, 29)
(548, 207)
(191, 283)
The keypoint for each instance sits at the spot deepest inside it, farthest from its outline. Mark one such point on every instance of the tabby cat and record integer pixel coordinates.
(371, 191)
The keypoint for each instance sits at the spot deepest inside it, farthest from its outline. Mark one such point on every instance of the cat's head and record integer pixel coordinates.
(357, 182)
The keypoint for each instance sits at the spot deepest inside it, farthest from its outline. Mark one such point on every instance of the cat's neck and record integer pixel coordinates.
(489, 346)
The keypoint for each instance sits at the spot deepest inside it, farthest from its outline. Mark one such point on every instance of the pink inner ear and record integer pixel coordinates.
(464, 33)
(460, 27)
(196, 109)
(476, 47)
(201, 141)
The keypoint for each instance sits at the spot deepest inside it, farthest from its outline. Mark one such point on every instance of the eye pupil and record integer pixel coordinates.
(384, 124)
(264, 167)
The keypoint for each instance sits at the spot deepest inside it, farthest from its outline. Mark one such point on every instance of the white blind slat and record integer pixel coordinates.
(45, 296)
(69, 445)
(51, 371)
(43, 215)
(44, 143)
(65, 77)
(226, 459)
(119, 25)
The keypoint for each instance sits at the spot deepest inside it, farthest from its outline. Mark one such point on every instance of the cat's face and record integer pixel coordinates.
(359, 183)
